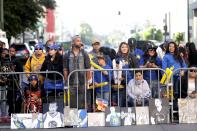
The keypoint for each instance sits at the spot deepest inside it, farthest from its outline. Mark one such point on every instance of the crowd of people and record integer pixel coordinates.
(121, 87)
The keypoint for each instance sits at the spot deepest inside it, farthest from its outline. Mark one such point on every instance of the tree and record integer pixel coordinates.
(86, 33)
(22, 15)
(178, 37)
(49, 4)
(159, 35)
(153, 34)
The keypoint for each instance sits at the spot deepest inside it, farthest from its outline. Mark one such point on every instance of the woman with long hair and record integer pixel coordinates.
(173, 58)
(53, 83)
(124, 60)
(151, 60)
(192, 54)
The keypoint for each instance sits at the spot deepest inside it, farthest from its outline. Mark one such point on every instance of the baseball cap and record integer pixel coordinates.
(95, 41)
(53, 47)
(33, 77)
(39, 46)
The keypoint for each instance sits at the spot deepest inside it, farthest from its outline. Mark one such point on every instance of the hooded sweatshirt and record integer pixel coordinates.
(138, 88)
(34, 64)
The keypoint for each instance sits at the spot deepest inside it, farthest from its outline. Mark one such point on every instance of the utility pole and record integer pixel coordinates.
(188, 27)
(165, 28)
(1, 15)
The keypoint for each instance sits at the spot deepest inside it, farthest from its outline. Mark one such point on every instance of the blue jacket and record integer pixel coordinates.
(99, 77)
(138, 53)
(125, 74)
(151, 75)
(169, 61)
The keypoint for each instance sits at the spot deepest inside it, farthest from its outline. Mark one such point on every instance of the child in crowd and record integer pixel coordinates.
(102, 77)
(138, 90)
(33, 101)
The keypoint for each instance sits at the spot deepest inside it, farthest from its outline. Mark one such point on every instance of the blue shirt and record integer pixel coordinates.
(153, 74)
(138, 53)
(169, 61)
(99, 77)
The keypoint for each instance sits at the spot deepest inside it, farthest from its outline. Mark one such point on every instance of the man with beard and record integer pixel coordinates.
(76, 59)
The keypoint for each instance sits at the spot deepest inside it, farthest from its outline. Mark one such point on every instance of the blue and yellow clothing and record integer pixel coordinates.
(99, 77)
(169, 61)
(151, 75)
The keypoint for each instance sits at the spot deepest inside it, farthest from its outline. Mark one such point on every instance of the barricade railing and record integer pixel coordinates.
(154, 84)
(184, 85)
(16, 83)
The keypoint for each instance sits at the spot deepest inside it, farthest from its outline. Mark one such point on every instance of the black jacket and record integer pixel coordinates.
(56, 65)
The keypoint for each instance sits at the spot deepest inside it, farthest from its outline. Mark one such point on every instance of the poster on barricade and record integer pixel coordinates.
(187, 110)
(71, 116)
(112, 116)
(128, 116)
(53, 115)
(37, 120)
(142, 115)
(101, 104)
(159, 111)
(21, 121)
(96, 119)
(82, 118)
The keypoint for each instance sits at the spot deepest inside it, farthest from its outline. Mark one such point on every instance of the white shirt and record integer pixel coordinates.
(53, 122)
(191, 86)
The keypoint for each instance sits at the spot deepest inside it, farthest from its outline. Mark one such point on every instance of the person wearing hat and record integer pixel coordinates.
(34, 62)
(102, 76)
(77, 59)
(33, 101)
(151, 60)
(53, 83)
(96, 45)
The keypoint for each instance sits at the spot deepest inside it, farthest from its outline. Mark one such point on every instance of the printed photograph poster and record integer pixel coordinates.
(71, 116)
(21, 121)
(96, 119)
(112, 116)
(159, 111)
(37, 120)
(82, 118)
(187, 110)
(101, 104)
(128, 116)
(142, 115)
(53, 115)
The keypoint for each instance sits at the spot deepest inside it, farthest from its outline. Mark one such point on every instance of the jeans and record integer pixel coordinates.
(132, 102)
(103, 95)
(121, 95)
(3, 101)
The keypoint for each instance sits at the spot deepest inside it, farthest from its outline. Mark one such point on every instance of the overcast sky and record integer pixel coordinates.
(103, 16)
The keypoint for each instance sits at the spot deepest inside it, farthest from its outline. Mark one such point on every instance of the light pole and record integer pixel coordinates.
(188, 26)
(1, 15)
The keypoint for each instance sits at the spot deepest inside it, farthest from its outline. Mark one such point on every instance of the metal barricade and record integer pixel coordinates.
(183, 81)
(16, 84)
(154, 85)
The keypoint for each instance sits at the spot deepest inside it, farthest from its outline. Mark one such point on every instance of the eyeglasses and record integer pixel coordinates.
(38, 49)
(193, 71)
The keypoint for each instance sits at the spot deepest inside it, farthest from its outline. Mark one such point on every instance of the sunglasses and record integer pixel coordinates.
(150, 50)
(38, 49)
(193, 70)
